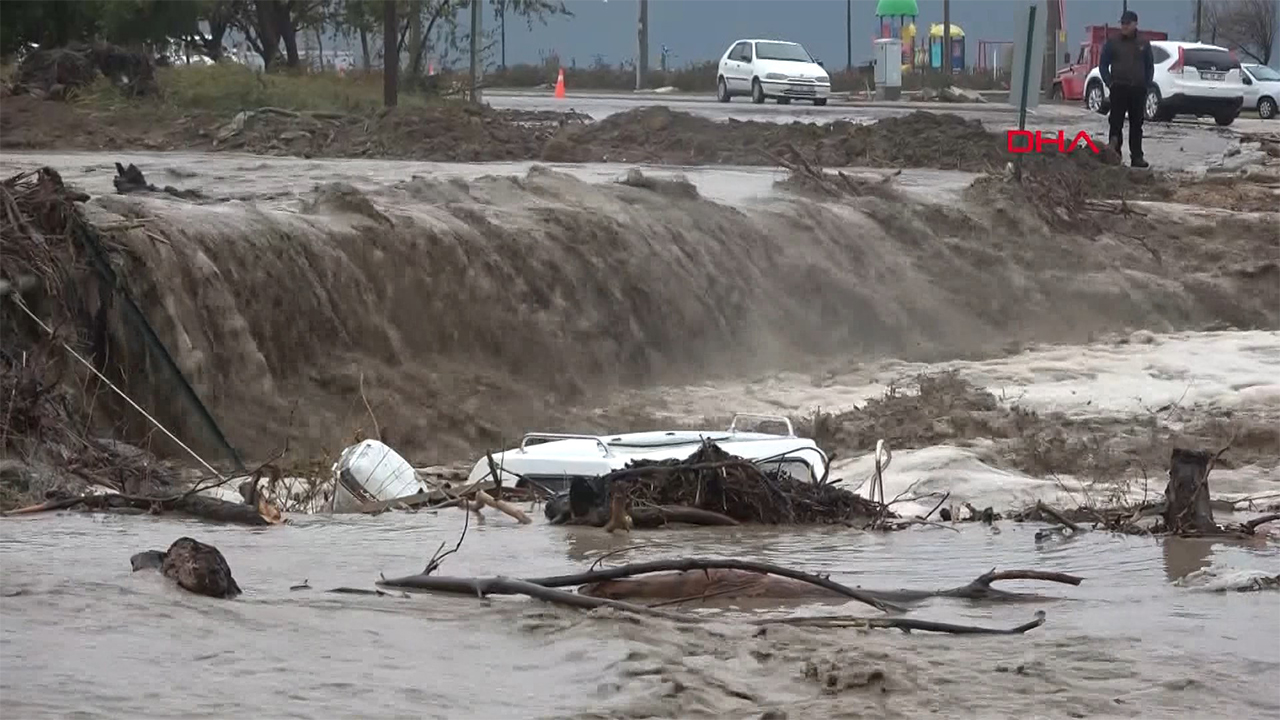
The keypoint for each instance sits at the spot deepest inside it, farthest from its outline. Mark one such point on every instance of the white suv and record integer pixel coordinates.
(1190, 79)
(771, 68)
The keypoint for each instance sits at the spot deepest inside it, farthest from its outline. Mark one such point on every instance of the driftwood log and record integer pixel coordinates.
(697, 585)
(535, 588)
(198, 506)
(1187, 508)
(481, 587)
(651, 517)
(741, 578)
(423, 581)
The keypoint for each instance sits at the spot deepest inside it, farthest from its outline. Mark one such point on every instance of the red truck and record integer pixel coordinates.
(1068, 83)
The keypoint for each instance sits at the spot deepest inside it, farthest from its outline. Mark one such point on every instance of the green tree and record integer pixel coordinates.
(48, 23)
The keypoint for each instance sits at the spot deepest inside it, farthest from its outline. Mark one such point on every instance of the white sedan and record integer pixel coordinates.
(771, 69)
(1262, 90)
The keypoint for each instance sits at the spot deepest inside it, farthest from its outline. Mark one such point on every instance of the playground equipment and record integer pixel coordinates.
(995, 57)
(897, 19)
(936, 52)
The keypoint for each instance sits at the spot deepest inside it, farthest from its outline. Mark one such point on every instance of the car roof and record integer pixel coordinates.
(1175, 44)
(756, 40)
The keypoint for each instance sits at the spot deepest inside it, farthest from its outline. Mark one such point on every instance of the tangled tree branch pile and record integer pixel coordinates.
(715, 481)
(46, 434)
(54, 72)
(58, 420)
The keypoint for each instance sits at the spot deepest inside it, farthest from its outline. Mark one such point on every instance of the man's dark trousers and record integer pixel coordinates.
(1132, 100)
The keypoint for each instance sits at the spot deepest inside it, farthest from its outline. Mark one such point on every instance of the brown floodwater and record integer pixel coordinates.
(82, 636)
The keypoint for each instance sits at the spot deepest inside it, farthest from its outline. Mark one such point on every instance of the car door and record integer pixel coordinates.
(1074, 76)
(1252, 89)
(740, 62)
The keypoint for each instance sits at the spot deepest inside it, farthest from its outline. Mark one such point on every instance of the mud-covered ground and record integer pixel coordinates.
(649, 134)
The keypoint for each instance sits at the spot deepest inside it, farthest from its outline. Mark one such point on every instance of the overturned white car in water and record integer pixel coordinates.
(552, 461)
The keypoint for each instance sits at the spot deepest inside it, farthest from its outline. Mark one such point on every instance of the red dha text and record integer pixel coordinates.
(1038, 142)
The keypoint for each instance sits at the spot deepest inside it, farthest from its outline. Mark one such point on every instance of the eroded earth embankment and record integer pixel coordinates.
(460, 313)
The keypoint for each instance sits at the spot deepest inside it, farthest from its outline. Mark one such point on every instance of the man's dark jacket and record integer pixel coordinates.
(1127, 61)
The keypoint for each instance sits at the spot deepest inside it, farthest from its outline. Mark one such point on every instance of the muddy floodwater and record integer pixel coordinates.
(81, 636)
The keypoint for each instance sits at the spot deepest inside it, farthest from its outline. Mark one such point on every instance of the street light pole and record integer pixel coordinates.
(848, 34)
(946, 36)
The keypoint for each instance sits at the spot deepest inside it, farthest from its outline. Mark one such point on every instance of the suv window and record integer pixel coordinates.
(1159, 54)
(1209, 59)
(741, 52)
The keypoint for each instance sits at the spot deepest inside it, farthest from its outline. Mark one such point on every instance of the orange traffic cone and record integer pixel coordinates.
(560, 84)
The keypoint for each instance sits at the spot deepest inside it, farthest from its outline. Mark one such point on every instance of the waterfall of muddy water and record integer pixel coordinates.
(82, 636)
(472, 309)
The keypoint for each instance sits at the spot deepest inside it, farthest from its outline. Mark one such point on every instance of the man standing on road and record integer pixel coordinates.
(1128, 67)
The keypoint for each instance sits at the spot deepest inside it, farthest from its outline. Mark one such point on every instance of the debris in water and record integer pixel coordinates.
(196, 567)
(131, 180)
(712, 481)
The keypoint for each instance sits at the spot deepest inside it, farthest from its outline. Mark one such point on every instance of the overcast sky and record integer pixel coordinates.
(696, 30)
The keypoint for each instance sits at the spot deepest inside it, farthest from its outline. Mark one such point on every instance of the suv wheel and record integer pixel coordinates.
(1093, 97)
(1225, 119)
(1151, 108)
(757, 91)
(1266, 108)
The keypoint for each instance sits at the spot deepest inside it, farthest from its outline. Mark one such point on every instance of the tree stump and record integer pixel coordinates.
(1186, 496)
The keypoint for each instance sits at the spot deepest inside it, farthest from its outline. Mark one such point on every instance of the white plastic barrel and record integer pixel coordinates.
(377, 469)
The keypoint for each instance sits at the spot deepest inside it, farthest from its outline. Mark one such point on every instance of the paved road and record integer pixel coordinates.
(1183, 144)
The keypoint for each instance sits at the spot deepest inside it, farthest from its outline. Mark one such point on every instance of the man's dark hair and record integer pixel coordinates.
(1128, 16)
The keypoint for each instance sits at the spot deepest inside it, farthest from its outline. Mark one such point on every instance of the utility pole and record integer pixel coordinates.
(848, 34)
(642, 40)
(1052, 22)
(502, 22)
(475, 50)
(946, 36)
(390, 54)
(1124, 7)
(1199, 17)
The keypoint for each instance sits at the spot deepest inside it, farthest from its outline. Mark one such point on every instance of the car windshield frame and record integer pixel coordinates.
(763, 47)
(1267, 74)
